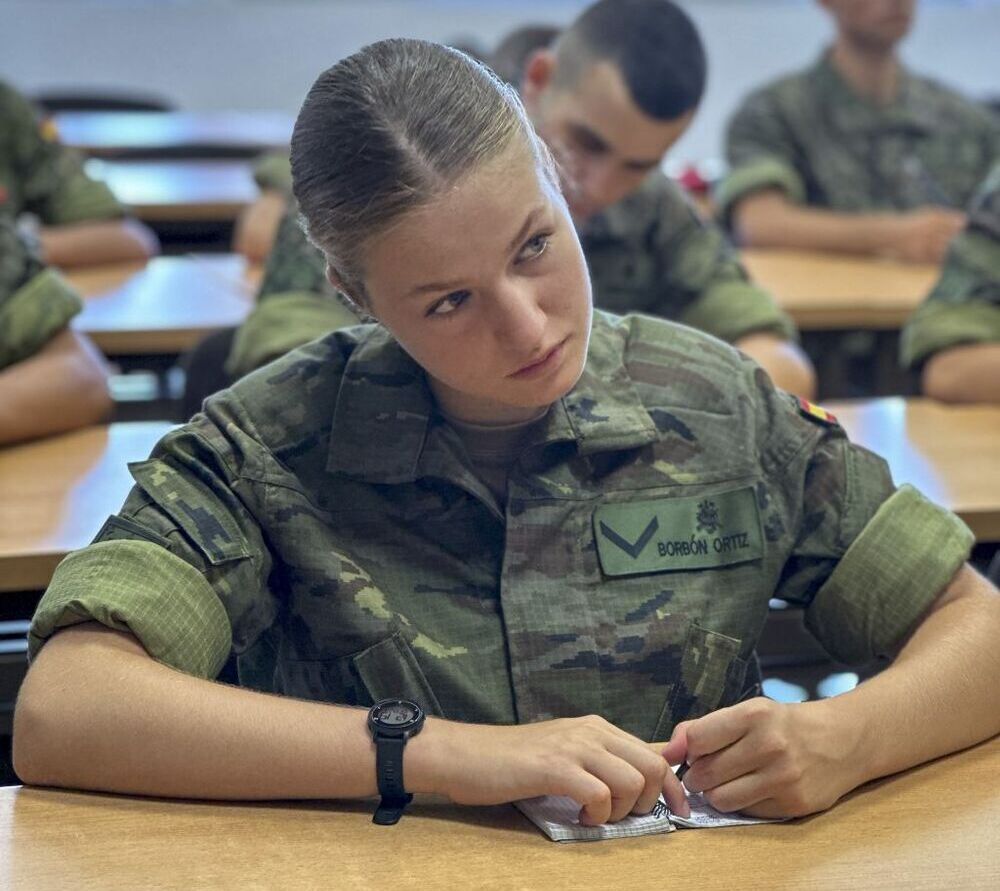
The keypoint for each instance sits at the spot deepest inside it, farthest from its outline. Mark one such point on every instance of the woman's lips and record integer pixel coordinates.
(546, 363)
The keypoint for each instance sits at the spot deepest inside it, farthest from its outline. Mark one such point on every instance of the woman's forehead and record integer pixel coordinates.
(472, 221)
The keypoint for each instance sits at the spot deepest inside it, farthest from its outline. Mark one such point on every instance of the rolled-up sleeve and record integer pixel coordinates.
(866, 559)
(760, 156)
(183, 566)
(142, 588)
(890, 575)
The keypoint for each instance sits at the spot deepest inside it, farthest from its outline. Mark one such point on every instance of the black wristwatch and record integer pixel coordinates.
(392, 722)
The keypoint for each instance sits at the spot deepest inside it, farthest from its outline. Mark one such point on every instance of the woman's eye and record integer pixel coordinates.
(448, 304)
(534, 247)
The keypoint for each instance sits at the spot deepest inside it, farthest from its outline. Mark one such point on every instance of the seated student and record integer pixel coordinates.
(80, 220)
(51, 379)
(617, 90)
(553, 530)
(955, 334)
(856, 153)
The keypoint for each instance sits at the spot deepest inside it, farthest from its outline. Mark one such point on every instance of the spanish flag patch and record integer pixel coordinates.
(814, 413)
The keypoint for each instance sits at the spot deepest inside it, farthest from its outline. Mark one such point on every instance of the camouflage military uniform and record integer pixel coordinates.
(42, 177)
(964, 306)
(648, 253)
(35, 302)
(321, 519)
(811, 136)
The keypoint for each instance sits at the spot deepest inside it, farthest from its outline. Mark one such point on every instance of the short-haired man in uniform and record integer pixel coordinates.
(856, 153)
(78, 220)
(955, 334)
(611, 97)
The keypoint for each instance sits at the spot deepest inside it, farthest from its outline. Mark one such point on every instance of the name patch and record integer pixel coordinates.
(669, 534)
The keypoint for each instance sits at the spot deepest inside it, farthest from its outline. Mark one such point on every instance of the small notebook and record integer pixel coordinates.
(557, 815)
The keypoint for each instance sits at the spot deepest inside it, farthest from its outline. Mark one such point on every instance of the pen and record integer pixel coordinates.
(749, 693)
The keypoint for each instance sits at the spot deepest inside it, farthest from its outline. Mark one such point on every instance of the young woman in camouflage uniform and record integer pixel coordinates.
(555, 530)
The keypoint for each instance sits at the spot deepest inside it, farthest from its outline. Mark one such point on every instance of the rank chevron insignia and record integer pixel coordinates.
(632, 549)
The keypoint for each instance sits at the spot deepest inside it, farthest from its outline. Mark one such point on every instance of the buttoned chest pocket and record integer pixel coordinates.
(685, 583)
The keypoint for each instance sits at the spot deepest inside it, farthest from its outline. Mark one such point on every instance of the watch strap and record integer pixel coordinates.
(389, 810)
(389, 771)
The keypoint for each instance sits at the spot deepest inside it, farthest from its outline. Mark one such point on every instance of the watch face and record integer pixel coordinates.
(398, 713)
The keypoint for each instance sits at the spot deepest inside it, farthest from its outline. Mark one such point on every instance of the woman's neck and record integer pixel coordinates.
(871, 73)
(480, 411)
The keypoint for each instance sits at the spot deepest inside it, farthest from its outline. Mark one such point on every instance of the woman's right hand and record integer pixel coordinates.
(609, 772)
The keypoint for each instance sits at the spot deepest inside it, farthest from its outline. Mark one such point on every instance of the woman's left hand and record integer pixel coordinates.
(768, 759)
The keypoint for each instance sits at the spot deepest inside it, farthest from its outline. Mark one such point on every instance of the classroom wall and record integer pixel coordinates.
(214, 54)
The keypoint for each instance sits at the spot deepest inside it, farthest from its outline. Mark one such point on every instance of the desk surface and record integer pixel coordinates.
(56, 493)
(118, 133)
(826, 291)
(164, 307)
(950, 452)
(179, 191)
(933, 827)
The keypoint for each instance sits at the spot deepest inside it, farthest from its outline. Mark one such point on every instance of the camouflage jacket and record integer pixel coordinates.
(321, 520)
(649, 253)
(814, 138)
(35, 302)
(42, 177)
(964, 306)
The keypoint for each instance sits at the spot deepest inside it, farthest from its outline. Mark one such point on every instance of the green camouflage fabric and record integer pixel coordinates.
(42, 177)
(323, 522)
(649, 253)
(35, 303)
(295, 301)
(964, 305)
(813, 137)
(273, 171)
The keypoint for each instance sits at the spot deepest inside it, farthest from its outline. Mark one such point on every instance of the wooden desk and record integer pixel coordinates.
(931, 828)
(823, 291)
(164, 307)
(950, 453)
(179, 191)
(56, 493)
(110, 134)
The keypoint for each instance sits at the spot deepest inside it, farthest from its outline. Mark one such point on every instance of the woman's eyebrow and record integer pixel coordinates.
(435, 287)
(522, 233)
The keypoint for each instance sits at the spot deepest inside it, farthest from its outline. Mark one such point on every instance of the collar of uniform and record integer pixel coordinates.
(383, 408)
(603, 412)
(854, 113)
(382, 420)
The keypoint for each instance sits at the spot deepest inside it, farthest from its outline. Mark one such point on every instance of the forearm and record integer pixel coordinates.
(96, 712)
(105, 241)
(61, 388)
(941, 692)
(786, 363)
(772, 221)
(965, 373)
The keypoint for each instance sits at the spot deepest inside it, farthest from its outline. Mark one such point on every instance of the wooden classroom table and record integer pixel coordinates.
(110, 134)
(823, 291)
(163, 307)
(57, 492)
(950, 452)
(932, 827)
(179, 191)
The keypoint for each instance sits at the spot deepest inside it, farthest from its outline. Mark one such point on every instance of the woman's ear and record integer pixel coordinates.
(359, 306)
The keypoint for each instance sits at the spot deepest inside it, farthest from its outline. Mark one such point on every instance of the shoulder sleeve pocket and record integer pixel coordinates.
(195, 507)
